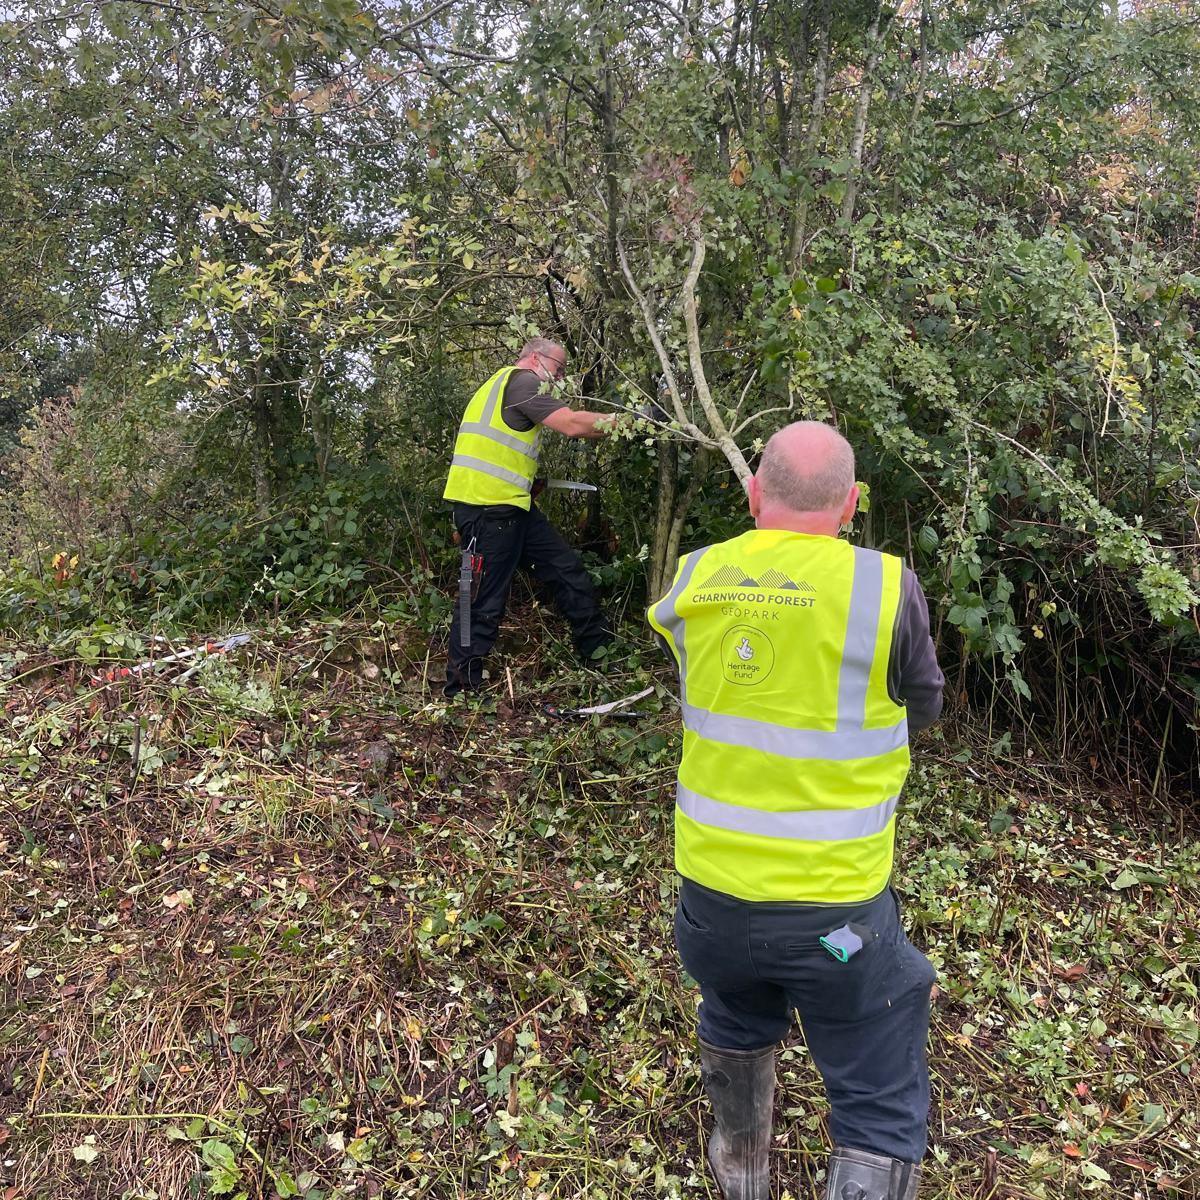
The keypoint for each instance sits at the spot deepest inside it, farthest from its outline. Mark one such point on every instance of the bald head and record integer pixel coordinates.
(546, 358)
(542, 346)
(807, 467)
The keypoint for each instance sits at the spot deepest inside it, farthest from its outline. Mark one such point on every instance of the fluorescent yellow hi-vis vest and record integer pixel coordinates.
(794, 754)
(493, 462)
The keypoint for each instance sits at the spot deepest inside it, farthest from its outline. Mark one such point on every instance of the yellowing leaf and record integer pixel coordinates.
(87, 1153)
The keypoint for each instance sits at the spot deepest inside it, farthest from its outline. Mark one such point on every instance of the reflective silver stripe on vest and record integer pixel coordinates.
(858, 653)
(504, 439)
(485, 428)
(837, 745)
(477, 464)
(849, 740)
(489, 407)
(667, 616)
(810, 825)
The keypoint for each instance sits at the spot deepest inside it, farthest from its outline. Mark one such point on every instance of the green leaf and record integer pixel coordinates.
(216, 1153)
(1126, 879)
(285, 1185)
(1153, 1115)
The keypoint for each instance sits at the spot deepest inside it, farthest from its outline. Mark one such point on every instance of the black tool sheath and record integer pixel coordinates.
(465, 582)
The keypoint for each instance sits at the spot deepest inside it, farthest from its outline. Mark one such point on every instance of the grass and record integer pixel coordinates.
(293, 927)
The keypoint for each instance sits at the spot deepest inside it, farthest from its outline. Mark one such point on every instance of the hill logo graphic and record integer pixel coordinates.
(730, 576)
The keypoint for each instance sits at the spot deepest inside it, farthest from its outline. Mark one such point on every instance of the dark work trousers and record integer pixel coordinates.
(866, 1021)
(509, 537)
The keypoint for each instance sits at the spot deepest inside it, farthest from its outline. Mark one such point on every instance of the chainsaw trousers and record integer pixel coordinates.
(506, 538)
(866, 1020)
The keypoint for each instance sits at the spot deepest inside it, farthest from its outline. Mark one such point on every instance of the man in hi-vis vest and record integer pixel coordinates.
(804, 663)
(490, 484)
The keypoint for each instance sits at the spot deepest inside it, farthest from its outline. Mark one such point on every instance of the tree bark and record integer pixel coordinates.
(680, 513)
(720, 434)
(812, 133)
(609, 119)
(717, 436)
(658, 579)
(858, 138)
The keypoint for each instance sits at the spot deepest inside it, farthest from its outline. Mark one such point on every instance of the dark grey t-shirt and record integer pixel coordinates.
(528, 401)
(914, 677)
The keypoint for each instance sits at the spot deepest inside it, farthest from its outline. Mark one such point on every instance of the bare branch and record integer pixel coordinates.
(766, 412)
(663, 358)
(428, 15)
(745, 392)
(720, 434)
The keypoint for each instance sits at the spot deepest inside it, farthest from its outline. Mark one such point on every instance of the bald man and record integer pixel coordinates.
(490, 484)
(804, 663)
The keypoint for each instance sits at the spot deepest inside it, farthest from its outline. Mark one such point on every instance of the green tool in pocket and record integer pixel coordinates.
(846, 941)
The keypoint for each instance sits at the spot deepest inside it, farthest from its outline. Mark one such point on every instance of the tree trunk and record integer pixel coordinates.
(812, 134)
(683, 506)
(672, 511)
(859, 135)
(264, 486)
(660, 567)
(612, 192)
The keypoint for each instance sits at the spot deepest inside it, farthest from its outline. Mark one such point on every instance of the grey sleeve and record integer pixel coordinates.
(525, 403)
(914, 677)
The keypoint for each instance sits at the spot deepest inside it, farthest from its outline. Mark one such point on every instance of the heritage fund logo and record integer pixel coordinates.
(744, 595)
(747, 656)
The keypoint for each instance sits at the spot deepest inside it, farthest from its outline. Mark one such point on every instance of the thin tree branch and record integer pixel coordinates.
(663, 358)
(720, 434)
(428, 15)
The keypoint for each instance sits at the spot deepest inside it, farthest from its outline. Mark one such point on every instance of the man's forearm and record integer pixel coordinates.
(578, 423)
(592, 425)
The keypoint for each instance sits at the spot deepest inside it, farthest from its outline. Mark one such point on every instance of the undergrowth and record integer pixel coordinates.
(293, 926)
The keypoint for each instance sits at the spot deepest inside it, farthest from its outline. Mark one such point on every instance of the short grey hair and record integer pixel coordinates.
(541, 346)
(821, 485)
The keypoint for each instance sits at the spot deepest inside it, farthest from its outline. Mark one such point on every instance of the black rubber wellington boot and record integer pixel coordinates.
(859, 1175)
(741, 1086)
